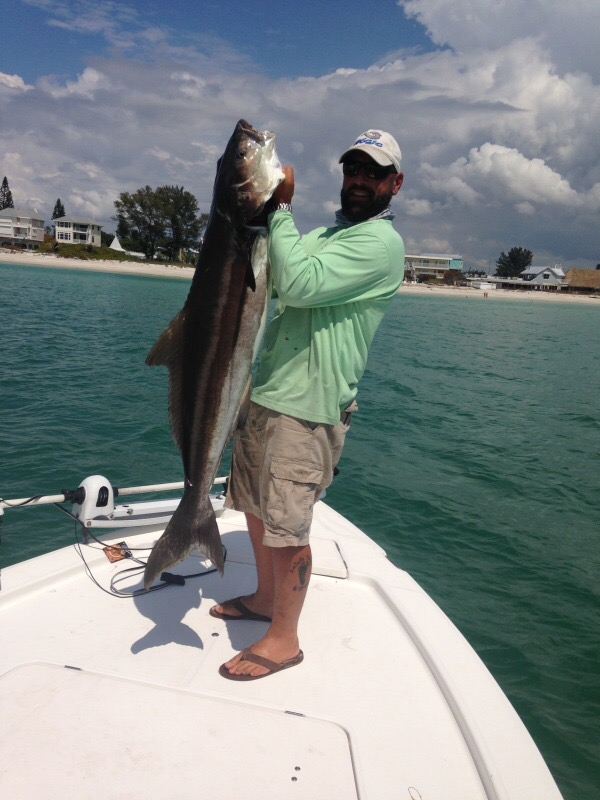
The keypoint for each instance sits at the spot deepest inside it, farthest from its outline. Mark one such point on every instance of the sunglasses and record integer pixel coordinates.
(373, 171)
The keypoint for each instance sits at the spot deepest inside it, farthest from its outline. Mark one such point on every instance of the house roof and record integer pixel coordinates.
(78, 220)
(583, 278)
(558, 271)
(26, 213)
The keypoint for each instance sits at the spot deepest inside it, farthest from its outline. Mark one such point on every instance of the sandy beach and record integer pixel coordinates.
(177, 271)
(117, 267)
(526, 295)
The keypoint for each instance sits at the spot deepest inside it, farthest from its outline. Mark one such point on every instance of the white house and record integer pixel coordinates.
(478, 283)
(540, 278)
(430, 265)
(544, 276)
(77, 230)
(21, 227)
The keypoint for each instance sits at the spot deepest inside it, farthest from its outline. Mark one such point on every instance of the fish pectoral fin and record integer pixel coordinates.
(167, 348)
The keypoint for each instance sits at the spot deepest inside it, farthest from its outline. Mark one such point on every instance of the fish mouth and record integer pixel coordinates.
(252, 133)
(264, 168)
(254, 171)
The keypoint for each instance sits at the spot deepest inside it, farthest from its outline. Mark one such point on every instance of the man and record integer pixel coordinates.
(333, 286)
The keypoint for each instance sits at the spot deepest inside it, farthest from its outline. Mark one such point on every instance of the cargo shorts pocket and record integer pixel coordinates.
(291, 496)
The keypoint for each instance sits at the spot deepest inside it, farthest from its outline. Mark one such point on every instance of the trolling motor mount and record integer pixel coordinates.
(96, 500)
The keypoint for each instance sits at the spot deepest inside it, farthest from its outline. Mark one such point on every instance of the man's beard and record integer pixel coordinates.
(359, 211)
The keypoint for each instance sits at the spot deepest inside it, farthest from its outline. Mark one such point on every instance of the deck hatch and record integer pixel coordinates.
(99, 736)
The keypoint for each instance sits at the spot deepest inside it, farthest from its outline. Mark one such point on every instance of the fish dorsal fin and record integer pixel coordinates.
(167, 351)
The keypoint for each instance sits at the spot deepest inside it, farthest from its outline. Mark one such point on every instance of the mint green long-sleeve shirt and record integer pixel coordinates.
(334, 285)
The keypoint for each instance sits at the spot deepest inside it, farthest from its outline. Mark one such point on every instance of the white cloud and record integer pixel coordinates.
(415, 207)
(14, 82)
(89, 170)
(113, 21)
(525, 208)
(500, 172)
(499, 140)
(86, 85)
(567, 31)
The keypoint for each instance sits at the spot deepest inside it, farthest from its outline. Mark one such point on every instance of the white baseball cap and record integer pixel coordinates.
(380, 146)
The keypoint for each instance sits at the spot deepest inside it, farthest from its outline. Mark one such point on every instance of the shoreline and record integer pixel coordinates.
(186, 273)
(115, 267)
(531, 295)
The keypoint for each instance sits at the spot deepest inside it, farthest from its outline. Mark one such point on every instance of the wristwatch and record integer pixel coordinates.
(283, 207)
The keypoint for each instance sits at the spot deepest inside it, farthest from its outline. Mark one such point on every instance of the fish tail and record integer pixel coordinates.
(188, 528)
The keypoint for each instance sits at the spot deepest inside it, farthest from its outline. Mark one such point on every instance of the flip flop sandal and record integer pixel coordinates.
(239, 605)
(272, 666)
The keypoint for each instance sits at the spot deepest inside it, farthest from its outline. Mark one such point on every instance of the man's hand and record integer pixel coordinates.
(285, 191)
(282, 194)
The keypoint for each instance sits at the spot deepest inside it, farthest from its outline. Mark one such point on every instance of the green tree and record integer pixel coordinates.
(6, 198)
(183, 223)
(511, 265)
(141, 222)
(453, 277)
(59, 210)
(165, 218)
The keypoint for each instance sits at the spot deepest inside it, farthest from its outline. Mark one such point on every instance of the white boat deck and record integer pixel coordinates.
(121, 698)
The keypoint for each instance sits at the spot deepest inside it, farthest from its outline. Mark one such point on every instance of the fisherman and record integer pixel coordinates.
(333, 285)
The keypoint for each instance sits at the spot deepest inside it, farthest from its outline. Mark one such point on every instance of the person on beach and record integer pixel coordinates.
(333, 287)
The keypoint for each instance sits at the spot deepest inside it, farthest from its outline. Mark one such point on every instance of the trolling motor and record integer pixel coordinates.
(93, 498)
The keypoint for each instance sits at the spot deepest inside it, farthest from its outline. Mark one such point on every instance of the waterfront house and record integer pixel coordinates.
(77, 230)
(21, 227)
(544, 276)
(532, 278)
(430, 266)
(478, 283)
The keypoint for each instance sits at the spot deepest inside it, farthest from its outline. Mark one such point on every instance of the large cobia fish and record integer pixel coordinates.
(210, 345)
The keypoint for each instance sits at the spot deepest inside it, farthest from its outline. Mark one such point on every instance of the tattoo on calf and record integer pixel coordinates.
(302, 566)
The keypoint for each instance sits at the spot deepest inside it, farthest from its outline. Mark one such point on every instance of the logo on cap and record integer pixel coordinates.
(371, 141)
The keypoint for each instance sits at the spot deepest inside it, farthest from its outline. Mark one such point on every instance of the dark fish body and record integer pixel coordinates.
(210, 345)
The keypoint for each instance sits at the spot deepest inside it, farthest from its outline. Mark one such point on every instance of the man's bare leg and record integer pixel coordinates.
(291, 576)
(260, 601)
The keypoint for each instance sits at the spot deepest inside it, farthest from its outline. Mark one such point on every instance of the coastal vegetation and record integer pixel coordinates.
(6, 198)
(59, 210)
(512, 264)
(86, 252)
(165, 220)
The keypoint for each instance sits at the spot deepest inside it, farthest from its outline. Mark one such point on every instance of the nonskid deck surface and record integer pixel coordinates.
(91, 681)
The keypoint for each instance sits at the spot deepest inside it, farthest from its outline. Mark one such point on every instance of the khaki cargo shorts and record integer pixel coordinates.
(280, 465)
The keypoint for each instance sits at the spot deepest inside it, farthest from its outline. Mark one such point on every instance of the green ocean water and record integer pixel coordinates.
(473, 460)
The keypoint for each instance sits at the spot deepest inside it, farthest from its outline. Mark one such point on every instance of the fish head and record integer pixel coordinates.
(248, 174)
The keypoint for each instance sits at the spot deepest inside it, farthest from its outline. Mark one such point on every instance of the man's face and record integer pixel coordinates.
(363, 197)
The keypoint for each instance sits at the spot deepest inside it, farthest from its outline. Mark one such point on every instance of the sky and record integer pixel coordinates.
(495, 104)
